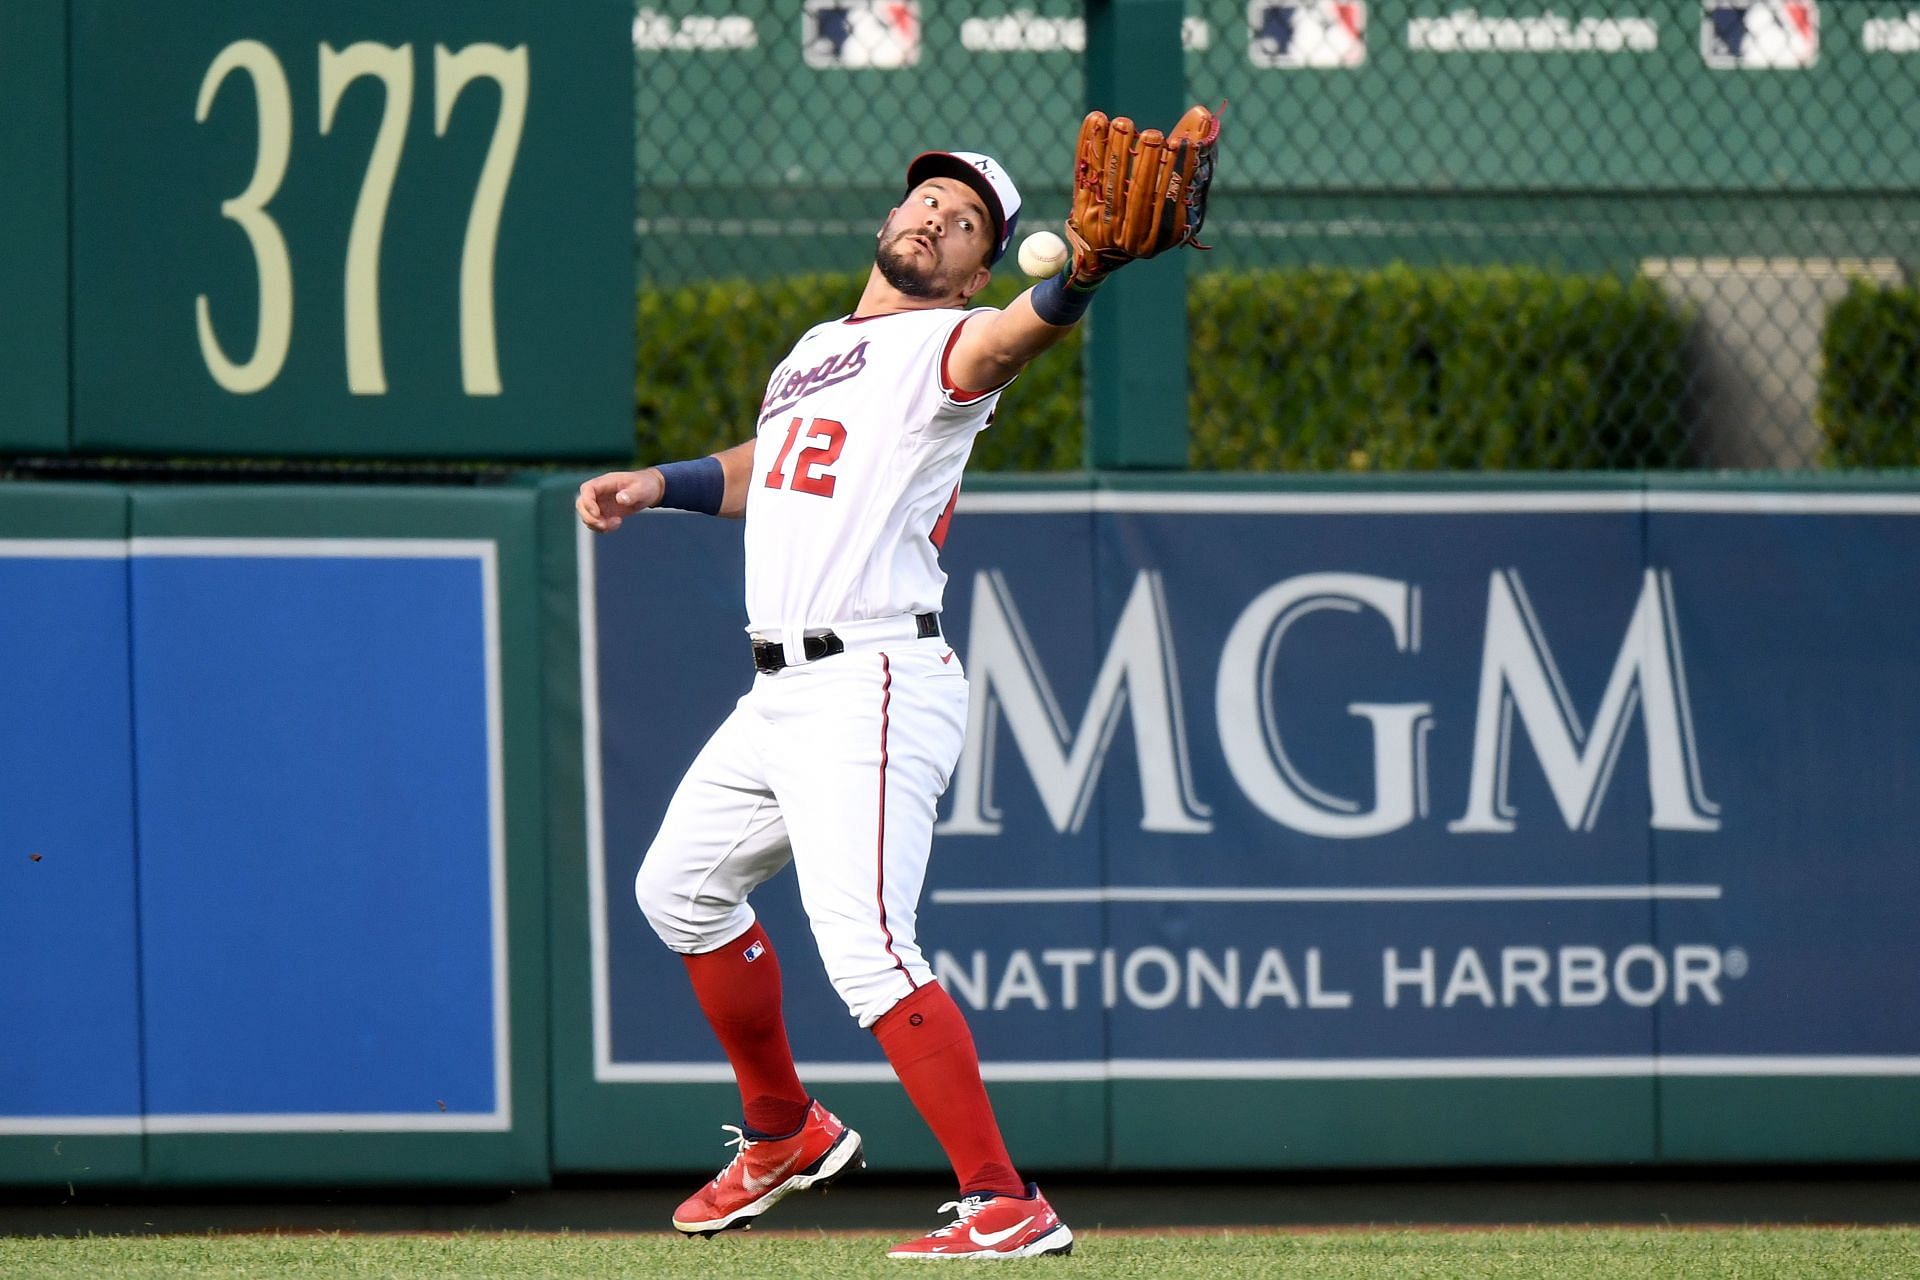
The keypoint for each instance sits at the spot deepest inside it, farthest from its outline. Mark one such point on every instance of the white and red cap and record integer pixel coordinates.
(986, 176)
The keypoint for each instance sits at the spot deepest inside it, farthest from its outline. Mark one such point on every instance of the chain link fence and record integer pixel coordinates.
(1523, 234)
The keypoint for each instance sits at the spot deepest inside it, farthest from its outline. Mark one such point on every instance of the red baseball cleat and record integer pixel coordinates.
(994, 1227)
(765, 1170)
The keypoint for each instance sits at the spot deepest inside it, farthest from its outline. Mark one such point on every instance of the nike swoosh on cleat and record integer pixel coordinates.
(993, 1238)
(754, 1186)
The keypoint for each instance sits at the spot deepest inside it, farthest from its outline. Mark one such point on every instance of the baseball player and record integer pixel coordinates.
(837, 755)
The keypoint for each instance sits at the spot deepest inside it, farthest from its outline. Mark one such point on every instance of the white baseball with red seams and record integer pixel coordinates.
(836, 764)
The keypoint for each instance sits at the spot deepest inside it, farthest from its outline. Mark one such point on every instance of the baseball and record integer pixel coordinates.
(1043, 254)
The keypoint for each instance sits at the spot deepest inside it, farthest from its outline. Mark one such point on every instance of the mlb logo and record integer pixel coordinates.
(754, 952)
(861, 34)
(1768, 35)
(1307, 33)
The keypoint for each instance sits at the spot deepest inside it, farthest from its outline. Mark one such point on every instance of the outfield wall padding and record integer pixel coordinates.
(1308, 827)
(278, 903)
(1327, 826)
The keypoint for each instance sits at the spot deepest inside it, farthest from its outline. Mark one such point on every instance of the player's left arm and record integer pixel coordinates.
(737, 464)
(605, 501)
(994, 346)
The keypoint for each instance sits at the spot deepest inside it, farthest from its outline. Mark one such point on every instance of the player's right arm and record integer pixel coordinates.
(605, 501)
(994, 346)
(1130, 211)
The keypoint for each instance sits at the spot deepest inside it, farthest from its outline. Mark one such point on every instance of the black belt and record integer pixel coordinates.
(771, 657)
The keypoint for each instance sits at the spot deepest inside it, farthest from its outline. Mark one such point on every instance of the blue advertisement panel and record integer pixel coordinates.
(1296, 786)
(321, 843)
(67, 880)
(1807, 690)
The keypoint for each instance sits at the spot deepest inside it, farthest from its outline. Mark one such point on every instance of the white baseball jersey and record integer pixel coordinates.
(856, 464)
(837, 764)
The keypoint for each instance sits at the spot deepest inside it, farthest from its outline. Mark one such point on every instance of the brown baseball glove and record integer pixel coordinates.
(1137, 193)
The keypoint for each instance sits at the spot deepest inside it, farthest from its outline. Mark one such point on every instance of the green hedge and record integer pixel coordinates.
(1302, 370)
(707, 350)
(1869, 406)
(1419, 369)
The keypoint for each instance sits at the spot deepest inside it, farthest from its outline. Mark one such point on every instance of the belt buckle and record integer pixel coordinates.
(770, 657)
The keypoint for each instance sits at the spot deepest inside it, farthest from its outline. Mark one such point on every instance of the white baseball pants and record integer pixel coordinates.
(837, 765)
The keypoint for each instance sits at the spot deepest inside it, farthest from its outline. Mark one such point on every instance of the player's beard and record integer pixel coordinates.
(899, 269)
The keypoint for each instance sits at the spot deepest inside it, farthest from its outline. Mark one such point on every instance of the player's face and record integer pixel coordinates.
(936, 242)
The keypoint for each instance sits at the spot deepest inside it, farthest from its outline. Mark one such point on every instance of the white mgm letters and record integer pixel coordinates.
(1518, 679)
(1139, 673)
(1517, 673)
(1250, 733)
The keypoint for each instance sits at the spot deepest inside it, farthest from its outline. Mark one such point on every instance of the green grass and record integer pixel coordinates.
(1556, 1253)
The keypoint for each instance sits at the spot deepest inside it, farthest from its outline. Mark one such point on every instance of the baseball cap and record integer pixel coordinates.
(985, 175)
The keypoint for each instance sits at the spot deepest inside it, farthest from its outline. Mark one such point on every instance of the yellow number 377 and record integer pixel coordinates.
(393, 67)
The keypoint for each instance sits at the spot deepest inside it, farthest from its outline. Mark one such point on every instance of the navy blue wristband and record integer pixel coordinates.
(699, 485)
(1059, 303)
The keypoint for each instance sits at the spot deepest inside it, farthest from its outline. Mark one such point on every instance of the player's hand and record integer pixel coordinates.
(606, 500)
(1138, 192)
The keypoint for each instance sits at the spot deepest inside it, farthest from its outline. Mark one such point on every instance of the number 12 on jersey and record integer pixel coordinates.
(809, 469)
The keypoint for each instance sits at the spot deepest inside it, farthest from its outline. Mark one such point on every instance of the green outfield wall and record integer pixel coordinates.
(33, 228)
(275, 898)
(340, 896)
(368, 231)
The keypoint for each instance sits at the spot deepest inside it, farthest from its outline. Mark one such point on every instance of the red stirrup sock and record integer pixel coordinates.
(738, 987)
(926, 1039)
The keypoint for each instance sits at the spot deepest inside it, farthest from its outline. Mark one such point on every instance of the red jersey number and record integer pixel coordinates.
(810, 474)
